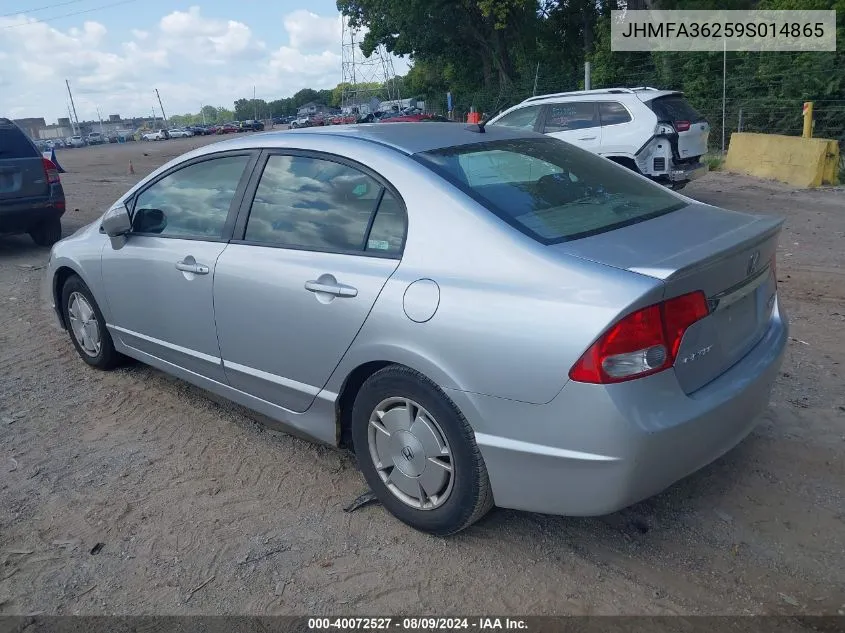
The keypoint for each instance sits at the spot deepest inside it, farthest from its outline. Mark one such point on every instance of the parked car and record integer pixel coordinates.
(632, 332)
(252, 126)
(197, 130)
(96, 138)
(157, 135)
(654, 132)
(31, 196)
(228, 128)
(178, 132)
(77, 141)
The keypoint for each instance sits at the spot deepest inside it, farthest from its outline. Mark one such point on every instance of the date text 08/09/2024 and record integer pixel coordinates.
(416, 624)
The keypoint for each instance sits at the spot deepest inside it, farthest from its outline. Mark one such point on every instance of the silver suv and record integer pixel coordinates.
(654, 132)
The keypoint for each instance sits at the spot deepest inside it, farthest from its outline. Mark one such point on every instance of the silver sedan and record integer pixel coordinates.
(485, 316)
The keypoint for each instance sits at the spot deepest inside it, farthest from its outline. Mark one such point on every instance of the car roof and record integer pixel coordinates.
(410, 138)
(643, 94)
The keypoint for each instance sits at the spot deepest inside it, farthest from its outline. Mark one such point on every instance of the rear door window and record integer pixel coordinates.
(15, 144)
(674, 108)
(323, 205)
(572, 115)
(550, 190)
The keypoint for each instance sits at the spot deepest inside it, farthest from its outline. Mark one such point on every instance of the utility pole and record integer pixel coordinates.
(724, 87)
(202, 112)
(100, 116)
(587, 76)
(72, 123)
(254, 105)
(73, 105)
(536, 75)
(163, 115)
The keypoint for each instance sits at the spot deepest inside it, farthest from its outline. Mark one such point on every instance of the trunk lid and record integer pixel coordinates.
(692, 143)
(22, 178)
(692, 128)
(727, 255)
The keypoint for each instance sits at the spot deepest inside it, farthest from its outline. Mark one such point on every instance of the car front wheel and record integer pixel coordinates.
(418, 452)
(86, 326)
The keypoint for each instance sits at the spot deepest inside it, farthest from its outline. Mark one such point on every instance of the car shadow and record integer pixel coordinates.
(15, 245)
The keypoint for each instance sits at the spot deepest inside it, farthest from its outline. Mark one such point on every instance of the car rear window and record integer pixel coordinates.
(15, 144)
(674, 108)
(550, 190)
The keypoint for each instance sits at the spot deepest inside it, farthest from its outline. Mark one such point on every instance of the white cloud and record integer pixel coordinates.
(309, 32)
(173, 54)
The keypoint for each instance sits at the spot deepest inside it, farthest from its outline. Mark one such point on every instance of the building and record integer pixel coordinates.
(311, 108)
(361, 106)
(31, 126)
(54, 131)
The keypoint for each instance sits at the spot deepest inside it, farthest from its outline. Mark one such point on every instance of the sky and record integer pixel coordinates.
(115, 53)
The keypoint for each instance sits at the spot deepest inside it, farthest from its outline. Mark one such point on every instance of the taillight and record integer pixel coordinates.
(641, 343)
(51, 172)
(682, 126)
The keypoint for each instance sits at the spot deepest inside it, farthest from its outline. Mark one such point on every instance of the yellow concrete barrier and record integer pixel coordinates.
(801, 162)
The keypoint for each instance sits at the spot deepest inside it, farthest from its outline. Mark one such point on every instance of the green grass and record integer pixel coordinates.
(714, 161)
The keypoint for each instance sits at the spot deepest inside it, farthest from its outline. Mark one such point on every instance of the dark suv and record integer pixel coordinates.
(31, 196)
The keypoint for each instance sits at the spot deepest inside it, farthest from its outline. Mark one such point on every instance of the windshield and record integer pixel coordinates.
(674, 108)
(550, 190)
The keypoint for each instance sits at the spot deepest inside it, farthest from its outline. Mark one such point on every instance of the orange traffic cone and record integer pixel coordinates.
(131, 170)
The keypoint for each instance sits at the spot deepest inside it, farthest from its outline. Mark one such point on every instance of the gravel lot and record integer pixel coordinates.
(181, 490)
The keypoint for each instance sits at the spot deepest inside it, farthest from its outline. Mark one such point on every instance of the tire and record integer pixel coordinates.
(454, 503)
(47, 232)
(104, 357)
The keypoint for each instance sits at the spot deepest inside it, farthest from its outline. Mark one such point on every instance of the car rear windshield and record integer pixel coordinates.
(15, 144)
(550, 190)
(674, 108)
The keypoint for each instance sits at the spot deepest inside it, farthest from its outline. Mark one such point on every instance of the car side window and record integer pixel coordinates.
(191, 202)
(315, 204)
(572, 115)
(523, 119)
(613, 113)
(387, 235)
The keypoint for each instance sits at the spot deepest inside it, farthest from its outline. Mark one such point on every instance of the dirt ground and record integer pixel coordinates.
(124, 492)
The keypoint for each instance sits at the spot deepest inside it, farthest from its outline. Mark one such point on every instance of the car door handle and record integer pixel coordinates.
(587, 138)
(337, 290)
(192, 267)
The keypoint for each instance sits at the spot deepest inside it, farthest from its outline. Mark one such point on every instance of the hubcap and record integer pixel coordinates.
(410, 453)
(83, 324)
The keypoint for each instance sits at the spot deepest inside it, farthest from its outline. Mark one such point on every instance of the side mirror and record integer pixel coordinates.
(116, 222)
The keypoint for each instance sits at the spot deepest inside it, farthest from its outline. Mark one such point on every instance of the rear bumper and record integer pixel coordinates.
(596, 449)
(21, 216)
(687, 173)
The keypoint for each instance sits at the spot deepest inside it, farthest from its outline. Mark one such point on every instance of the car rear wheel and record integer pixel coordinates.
(47, 232)
(86, 326)
(418, 453)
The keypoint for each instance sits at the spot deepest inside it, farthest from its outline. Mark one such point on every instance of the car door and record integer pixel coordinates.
(312, 250)
(158, 283)
(575, 122)
(620, 134)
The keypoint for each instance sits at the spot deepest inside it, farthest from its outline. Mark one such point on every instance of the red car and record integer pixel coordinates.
(406, 118)
(228, 128)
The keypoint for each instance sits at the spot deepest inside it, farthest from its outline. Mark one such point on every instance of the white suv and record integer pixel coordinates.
(654, 132)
